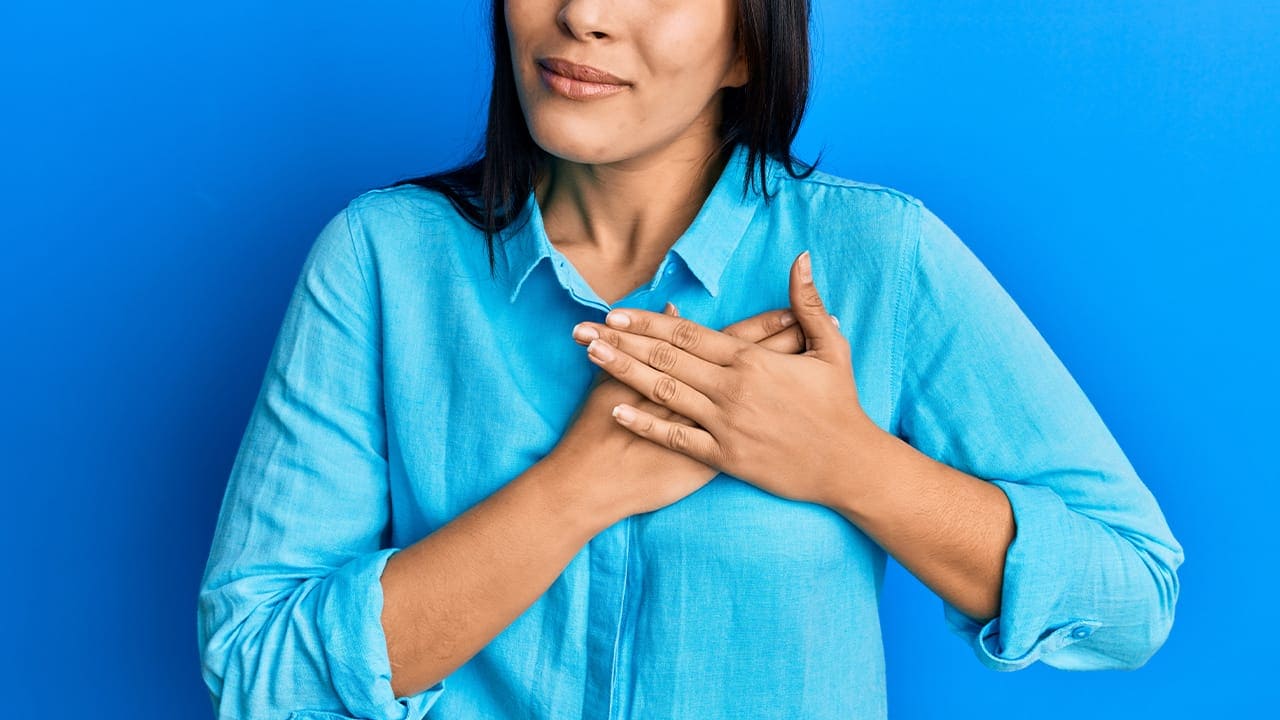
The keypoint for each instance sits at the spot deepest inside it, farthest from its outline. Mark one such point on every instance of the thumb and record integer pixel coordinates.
(820, 332)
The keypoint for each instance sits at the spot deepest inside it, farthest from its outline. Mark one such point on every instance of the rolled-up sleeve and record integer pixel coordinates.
(289, 609)
(1090, 580)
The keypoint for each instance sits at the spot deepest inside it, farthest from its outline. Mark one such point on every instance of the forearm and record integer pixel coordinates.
(948, 528)
(449, 594)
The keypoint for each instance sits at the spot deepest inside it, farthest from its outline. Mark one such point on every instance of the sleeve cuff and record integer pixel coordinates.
(1030, 625)
(350, 611)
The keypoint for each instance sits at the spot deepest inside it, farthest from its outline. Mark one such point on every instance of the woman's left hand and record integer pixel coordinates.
(783, 422)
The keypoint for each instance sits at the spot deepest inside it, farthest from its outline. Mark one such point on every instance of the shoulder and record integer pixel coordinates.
(870, 225)
(868, 210)
(401, 222)
(399, 206)
(827, 204)
(833, 194)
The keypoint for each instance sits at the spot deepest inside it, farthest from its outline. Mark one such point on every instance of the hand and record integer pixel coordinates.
(634, 474)
(773, 419)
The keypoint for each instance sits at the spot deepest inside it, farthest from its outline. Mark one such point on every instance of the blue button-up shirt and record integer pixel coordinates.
(407, 384)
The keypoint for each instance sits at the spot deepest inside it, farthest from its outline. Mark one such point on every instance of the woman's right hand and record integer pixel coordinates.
(632, 474)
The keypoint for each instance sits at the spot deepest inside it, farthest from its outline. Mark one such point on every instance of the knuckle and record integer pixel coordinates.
(744, 356)
(665, 390)
(728, 420)
(732, 390)
(662, 356)
(685, 334)
(611, 336)
(812, 300)
(677, 436)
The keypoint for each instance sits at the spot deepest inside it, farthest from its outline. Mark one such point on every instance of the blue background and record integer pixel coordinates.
(166, 167)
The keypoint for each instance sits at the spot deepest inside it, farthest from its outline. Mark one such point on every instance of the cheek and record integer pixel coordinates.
(525, 27)
(529, 22)
(684, 53)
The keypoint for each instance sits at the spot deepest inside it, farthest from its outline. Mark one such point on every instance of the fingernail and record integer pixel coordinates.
(806, 271)
(600, 349)
(617, 319)
(624, 413)
(585, 333)
(788, 318)
(835, 320)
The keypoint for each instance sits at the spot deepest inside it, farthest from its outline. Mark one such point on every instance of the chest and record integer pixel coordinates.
(478, 387)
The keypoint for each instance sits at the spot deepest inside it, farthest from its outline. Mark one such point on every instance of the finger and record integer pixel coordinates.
(693, 442)
(668, 413)
(601, 375)
(774, 330)
(785, 335)
(657, 384)
(765, 326)
(789, 340)
(640, 401)
(650, 406)
(761, 326)
(822, 335)
(663, 357)
(700, 340)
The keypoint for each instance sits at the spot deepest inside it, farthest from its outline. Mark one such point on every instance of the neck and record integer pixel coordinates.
(630, 209)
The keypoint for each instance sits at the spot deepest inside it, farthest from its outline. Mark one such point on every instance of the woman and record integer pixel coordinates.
(439, 503)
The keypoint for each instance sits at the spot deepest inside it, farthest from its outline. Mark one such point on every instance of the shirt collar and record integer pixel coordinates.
(705, 246)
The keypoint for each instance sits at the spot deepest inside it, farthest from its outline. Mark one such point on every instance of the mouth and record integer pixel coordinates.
(579, 82)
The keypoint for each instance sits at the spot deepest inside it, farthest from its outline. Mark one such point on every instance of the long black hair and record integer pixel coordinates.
(764, 114)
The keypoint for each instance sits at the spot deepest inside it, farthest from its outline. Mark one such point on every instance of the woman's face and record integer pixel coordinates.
(673, 55)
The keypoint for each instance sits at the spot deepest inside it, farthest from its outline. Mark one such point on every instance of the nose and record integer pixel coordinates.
(583, 19)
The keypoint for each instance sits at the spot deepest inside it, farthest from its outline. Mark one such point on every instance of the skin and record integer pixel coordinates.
(629, 172)
(446, 596)
(626, 177)
(791, 424)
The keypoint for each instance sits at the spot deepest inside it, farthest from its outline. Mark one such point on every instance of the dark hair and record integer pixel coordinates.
(764, 114)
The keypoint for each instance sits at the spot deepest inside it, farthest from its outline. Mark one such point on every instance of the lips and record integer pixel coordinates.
(565, 79)
(584, 73)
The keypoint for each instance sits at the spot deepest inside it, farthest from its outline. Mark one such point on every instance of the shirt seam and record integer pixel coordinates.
(372, 330)
(372, 313)
(904, 297)
(360, 259)
(848, 184)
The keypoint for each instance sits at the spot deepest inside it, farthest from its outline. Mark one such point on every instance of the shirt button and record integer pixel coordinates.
(1081, 632)
(670, 269)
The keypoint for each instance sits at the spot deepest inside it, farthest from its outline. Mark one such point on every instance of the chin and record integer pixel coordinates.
(586, 147)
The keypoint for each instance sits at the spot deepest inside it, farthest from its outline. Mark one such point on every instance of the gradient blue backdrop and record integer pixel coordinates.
(166, 166)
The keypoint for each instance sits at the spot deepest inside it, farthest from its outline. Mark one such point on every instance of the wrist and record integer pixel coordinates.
(865, 464)
(578, 499)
